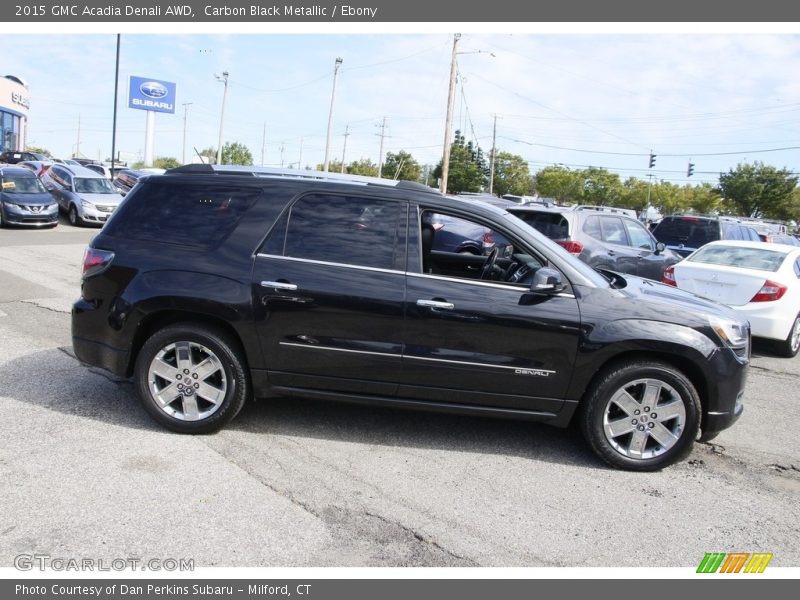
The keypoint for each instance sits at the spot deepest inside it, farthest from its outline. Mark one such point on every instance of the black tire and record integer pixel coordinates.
(200, 345)
(788, 348)
(73, 217)
(604, 422)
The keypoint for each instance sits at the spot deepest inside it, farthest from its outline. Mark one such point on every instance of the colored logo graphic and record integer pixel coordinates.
(153, 89)
(734, 562)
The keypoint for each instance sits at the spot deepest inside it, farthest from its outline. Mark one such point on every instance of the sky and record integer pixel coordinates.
(577, 99)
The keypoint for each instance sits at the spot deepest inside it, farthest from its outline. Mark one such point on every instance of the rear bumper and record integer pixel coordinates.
(764, 320)
(92, 351)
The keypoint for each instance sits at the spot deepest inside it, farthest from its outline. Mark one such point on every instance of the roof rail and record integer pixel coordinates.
(612, 209)
(274, 172)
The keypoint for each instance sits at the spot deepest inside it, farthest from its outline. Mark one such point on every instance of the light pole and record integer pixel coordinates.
(224, 79)
(186, 106)
(337, 64)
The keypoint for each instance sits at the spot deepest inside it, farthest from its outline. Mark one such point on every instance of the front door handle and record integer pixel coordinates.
(436, 304)
(280, 285)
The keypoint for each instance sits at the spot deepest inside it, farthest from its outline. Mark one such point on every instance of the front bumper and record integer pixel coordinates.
(34, 216)
(97, 214)
(724, 403)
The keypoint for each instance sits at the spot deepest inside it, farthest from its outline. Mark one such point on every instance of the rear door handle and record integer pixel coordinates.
(436, 304)
(279, 285)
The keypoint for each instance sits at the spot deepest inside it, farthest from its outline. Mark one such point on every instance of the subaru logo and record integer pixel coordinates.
(153, 89)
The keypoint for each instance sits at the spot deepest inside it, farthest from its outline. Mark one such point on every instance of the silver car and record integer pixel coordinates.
(87, 197)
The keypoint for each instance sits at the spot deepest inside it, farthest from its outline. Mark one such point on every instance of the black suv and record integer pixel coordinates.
(213, 285)
(602, 237)
(686, 233)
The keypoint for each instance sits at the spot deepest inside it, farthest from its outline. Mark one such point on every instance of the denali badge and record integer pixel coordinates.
(534, 372)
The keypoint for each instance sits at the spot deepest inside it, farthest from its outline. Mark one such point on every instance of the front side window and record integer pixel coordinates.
(455, 246)
(613, 231)
(639, 236)
(344, 229)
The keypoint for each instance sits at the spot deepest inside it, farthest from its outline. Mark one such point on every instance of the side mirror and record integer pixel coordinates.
(660, 247)
(547, 281)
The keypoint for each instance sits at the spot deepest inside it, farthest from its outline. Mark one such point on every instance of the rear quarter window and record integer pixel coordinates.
(188, 215)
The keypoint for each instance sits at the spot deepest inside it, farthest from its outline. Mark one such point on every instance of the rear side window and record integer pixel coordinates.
(691, 231)
(344, 229)
(188, 215)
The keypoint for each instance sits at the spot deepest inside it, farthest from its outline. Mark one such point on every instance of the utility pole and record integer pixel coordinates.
(114, 126)
(380, 152)
(185, 115)
(344, 148)
(448, 128)
(300, 160)
(337, 64)
(282, 154)
(494, 151)
(78, 144)
(263, 142)
(224, 79)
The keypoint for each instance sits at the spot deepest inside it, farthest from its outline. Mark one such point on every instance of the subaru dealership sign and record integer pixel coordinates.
(151, 94)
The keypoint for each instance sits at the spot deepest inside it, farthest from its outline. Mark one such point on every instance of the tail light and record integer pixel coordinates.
(769, 292)
(668, 276)
(95, 261)
(571, 246)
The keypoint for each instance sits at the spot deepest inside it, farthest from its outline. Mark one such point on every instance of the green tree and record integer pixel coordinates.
(702, 199)
(511, 175)
(559, 182)
(633, 194)
(234, 153)
(166, 162)
(758, 190)
(401, 166)
(363, 166)
(466, 171)
(668, 198)
(601, 187)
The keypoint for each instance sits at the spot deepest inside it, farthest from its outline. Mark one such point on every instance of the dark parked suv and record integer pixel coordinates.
(213, 285)
(686, 233)
(602, 237)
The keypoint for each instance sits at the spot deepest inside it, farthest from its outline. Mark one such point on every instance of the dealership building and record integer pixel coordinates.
(14, 105)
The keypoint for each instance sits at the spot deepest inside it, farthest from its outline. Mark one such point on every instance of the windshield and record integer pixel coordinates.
(745, 258)
(541, 240)
(23, 185)
(93, 186)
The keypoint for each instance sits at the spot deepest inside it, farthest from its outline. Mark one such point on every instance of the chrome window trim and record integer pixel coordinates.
(499, 286)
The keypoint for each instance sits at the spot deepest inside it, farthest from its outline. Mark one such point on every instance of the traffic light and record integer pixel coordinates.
(652, 160)
(690, 170)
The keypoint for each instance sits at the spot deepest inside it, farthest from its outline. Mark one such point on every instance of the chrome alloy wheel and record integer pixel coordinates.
(644, 419)
(187, 381)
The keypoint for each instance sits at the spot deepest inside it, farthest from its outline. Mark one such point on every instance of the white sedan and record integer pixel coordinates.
(758, 280)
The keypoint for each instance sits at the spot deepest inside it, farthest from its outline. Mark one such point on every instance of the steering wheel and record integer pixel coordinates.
(488, 266)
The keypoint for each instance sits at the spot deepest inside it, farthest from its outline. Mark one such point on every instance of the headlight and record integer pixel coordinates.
(51, 208)
(87, 204)
(732, 333)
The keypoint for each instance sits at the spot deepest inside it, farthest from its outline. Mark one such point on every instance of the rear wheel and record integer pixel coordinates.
(789, 347)
(191, 378)
(641, 416)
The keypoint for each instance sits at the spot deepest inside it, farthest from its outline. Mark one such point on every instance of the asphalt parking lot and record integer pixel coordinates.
(305, 483)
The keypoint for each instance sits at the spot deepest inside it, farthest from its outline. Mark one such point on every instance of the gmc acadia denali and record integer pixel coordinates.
(213, 285)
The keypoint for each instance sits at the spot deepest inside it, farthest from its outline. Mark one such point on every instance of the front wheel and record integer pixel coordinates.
(641, 416)
(788, 348)
(73, 217)
(191, 378)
